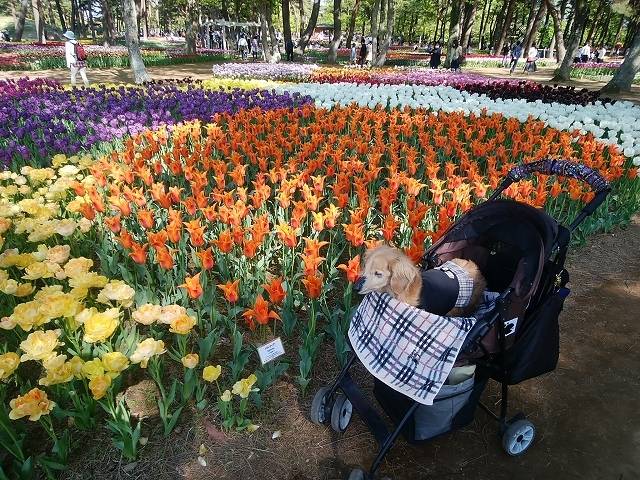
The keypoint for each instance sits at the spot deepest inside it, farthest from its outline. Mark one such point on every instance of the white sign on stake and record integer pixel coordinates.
(270, 351)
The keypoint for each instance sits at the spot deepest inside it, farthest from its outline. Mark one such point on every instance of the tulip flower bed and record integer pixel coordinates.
(469, 82)
(70, 120)
(173, 256)
(265, 71)
(50, 56)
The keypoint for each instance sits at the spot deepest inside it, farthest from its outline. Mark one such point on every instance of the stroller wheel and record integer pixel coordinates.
(341, 413)
(319, 406)
(357, 474)
(518, 437)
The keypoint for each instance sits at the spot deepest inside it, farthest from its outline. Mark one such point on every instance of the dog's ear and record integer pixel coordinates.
(403, 276)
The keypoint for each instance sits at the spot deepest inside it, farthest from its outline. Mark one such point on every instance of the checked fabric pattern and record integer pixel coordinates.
(409, 349)
(465, 282)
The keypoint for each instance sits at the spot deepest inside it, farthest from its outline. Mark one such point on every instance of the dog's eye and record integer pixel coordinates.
(378, 274)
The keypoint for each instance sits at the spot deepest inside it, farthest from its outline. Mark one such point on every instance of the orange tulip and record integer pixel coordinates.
(196, 233)
(125, 239)
(313, 285)
(354, 233)
(192, 285)
(275, 290)
(206, 258)
(174, 232)
(351, 269)
(230, 290)
(224, 242)
(331, 215)
(164, 258)
(139, 252)
(145, 218)
(389, 228)
(113, 223)
(318, 221)
(259, 313)
(87, 211)
(287, 235)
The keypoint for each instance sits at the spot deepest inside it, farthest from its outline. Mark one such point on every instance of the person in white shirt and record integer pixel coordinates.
(456, 56)
(601, 54)
(76, 66)
(243, 46)
(585, 53)
(532, 56)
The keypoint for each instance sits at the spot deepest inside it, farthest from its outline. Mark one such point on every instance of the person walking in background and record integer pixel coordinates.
(505, 55)
(243, 46)
(516, 53)
(255, 49)
(369, 59)
(532, 56)
(436, 56)
(288, 48)
(76, 58)
(363, 53)
(456, 56)
(585, 53)
(354, 54)
(602, 52)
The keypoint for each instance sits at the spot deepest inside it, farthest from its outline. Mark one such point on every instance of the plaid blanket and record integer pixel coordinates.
(409, 349)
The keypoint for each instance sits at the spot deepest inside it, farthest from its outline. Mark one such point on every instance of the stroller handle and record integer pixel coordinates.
(562, 168)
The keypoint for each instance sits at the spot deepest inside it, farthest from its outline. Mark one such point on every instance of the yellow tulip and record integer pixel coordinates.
(59, 254)
(100, 326)
(115, 362)
(169, 313)
(58, 370)
(190, 360)
(226, 396)
(8, 363)
(99, 386)
(92, 368)
(182, 325)
(147, 314)
(211, 373)
(242, 388)
(117, 291)
(40, 345)
(33, 404)
(145, 350)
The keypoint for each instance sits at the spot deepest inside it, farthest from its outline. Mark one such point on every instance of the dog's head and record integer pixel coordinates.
(386, 269)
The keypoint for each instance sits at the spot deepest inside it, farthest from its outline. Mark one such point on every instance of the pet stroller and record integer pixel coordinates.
(520, 251)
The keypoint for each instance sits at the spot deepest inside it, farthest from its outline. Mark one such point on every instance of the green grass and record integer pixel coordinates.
(29, 33)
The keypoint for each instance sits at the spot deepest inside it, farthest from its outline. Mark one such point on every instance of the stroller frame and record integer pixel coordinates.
(335, 404)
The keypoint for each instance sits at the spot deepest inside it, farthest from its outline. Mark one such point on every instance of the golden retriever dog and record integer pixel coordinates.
(439, 291)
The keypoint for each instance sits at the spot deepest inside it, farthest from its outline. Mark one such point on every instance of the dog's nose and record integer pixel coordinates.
(359, 283)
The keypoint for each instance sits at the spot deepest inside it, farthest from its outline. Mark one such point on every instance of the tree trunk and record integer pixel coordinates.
(596, 20)
(38, 20)
(375, 18)
(580, 15)
(22, 15)
(140, 74)
(505, 28)
(301, 10)
(604, 29)
(623, 78)
(144, 19)
(467, 26)
(91, 24)
(107, 23)
(531, 39)
(530, 19)
(264, 35)
(224, 10)
(51, 14)
(435, 33)
(337, 32)
(306, 34)
(557, 30)
(379, 60)
(497, 23)
(191, 33)
(286, 22)
(483, 23)
(443, 23)
(454, 28)
(275, 46)
(618, 31)
(352, 22)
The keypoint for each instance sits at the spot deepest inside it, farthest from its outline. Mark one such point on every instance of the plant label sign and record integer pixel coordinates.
(270, 351)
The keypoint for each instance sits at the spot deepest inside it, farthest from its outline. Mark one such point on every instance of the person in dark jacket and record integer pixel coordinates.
(436, 56)
(363, 53)
(288, 48)
(516, 53)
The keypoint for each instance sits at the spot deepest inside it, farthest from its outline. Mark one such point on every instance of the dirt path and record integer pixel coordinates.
(586, 412)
